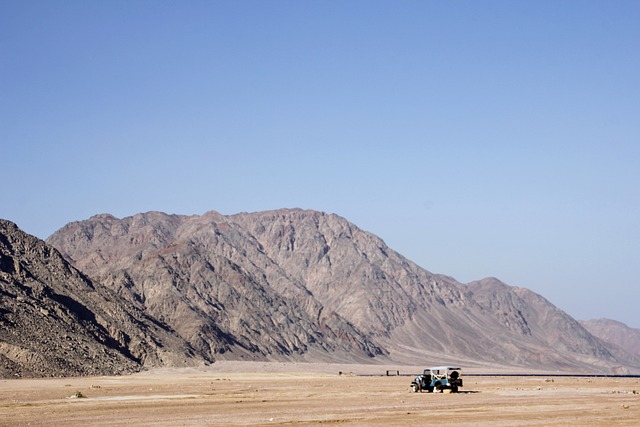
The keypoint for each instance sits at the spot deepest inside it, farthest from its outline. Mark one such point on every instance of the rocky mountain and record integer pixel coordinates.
(214, 284)
(56, 321)
(616, 333)
(305, 285)
(558, 340)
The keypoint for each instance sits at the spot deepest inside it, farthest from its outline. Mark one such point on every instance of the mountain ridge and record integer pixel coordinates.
(214, 251)
(352, 297)
(154, 289)
(615, 333)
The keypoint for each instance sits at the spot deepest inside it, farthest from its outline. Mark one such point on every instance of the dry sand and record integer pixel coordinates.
(264, 394)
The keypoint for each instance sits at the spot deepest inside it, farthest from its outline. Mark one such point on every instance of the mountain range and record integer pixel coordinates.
(155, 289)
(615, 333)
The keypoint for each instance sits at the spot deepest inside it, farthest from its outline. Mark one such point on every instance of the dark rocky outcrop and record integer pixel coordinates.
(56, 321)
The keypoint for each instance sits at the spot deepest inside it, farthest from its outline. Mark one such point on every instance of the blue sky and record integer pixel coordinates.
(477, 138)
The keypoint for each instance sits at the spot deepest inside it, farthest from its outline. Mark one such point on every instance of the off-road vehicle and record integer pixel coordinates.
(438, 378)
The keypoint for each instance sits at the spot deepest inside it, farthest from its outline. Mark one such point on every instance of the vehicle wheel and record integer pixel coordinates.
(415, 387)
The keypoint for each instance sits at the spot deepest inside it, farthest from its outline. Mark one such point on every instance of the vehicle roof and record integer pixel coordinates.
(444, 368)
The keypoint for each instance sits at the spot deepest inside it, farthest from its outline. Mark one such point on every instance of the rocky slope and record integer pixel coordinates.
(554, 338)
(305, 285)
(616, 333)
(56, 321)
(213, 283)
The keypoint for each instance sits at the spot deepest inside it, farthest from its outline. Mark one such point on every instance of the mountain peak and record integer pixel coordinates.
(154, 289)
(295, 284)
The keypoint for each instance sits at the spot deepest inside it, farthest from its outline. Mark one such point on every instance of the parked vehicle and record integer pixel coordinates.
(438, 378)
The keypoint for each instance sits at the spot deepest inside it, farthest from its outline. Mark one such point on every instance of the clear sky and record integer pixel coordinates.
(477, 138)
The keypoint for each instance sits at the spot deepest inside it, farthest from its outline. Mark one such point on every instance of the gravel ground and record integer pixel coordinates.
(291, 394)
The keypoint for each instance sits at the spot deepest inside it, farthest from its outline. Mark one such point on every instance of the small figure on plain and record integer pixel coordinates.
(455, 381)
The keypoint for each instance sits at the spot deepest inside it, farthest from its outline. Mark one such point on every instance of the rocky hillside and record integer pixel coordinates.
(558, 340)
(56, 321)
(616, 333)
(214, 284)
(305, 285)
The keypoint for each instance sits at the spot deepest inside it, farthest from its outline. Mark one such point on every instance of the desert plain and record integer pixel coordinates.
(299, 394)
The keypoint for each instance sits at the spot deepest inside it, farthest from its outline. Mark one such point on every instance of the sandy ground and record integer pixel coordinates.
(240, 394)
